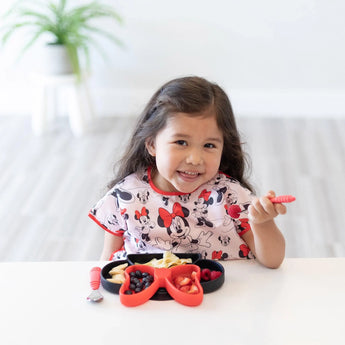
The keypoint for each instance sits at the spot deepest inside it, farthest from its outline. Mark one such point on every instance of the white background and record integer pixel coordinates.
(274, 58)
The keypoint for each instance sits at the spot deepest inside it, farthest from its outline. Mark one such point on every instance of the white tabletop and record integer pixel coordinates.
(302, 302)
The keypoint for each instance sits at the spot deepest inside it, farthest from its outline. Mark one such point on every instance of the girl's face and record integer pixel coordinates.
(188, 151)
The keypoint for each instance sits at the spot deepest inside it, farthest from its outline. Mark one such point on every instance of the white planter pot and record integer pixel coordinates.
(56, 60)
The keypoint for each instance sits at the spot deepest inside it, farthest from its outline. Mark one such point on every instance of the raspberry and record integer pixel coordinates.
(215, 275)
(205, 274)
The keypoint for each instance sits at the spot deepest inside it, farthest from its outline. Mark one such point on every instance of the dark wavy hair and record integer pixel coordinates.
(191, 95)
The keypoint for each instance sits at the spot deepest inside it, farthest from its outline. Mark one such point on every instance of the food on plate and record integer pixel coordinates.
(215, 274)
(118, 274)
(186, 283)
(139, 281)
(169, 260)
(206, 274)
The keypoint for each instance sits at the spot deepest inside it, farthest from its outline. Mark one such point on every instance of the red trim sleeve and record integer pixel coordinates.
(243, 232)
(118, 233)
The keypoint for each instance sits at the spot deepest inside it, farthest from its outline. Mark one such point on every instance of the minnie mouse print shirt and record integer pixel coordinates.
(210, 221)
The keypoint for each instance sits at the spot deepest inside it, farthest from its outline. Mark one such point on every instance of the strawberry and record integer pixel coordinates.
(193, 289)
(178, 280)
(185, 288)
(182, 280)
(185, 281)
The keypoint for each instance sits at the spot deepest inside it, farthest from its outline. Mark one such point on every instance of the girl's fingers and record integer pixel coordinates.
(262, 209)
(257, 205)
(270, 194)
(280, 208)
(252, 213)
(268, 207)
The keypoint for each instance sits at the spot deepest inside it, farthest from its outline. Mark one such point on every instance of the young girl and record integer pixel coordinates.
(180, 185)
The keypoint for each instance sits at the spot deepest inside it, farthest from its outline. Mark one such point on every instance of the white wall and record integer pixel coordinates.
(275, 58)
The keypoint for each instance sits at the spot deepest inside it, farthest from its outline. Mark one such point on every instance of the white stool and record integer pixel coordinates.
(45, 105)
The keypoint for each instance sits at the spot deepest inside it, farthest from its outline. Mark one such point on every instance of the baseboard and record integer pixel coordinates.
(253, 102)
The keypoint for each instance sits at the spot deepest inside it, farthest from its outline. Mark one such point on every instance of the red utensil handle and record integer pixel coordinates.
(95, 277)
(283, 198)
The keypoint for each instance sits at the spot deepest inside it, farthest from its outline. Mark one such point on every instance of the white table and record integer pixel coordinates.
(303, 302)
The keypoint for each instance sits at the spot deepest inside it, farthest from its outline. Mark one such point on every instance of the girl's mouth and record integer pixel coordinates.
(189, 175)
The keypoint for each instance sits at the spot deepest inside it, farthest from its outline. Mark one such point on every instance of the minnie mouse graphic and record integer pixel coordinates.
(234, 211)
(145, 223)
(219, 255)
(113, 219)
(220, 186)
(244, 252)
(242, 225)
(177, 226)
(200, 210)
(178, 229)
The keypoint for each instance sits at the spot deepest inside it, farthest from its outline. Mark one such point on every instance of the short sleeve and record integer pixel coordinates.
(108, 215)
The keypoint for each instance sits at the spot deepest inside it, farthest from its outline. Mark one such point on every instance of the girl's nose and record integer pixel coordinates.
(194, 157)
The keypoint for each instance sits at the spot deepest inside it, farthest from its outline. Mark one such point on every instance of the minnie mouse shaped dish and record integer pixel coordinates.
(181, 282)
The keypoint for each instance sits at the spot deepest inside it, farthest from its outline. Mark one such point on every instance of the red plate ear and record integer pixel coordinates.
(141, 297)
(184, 285)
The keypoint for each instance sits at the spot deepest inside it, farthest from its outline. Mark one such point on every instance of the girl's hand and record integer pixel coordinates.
(263, 210)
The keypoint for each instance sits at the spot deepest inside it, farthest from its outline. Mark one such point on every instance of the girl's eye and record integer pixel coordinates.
(181, 142)
(210, 146)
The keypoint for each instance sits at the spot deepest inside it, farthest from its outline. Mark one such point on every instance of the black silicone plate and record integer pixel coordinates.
(162, 293)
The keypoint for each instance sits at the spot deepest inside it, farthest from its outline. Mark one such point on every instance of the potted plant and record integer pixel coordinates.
(67, 29)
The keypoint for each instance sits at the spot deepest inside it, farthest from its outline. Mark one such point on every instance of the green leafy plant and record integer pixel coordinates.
(71, 27)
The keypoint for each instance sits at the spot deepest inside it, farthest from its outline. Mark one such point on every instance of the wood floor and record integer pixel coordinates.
(48, 184)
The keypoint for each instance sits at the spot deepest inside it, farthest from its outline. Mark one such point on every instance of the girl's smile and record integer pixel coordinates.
(188, 176)
(188, 151)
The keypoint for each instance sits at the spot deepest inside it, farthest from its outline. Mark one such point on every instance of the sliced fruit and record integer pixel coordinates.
(193, 289)
(185, 283)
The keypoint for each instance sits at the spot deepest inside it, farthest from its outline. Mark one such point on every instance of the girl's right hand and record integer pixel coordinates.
(263, 210)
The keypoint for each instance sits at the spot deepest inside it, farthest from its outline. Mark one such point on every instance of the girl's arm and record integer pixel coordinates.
(111, 244)
(265, 240)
